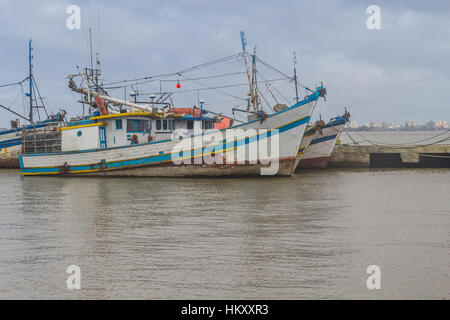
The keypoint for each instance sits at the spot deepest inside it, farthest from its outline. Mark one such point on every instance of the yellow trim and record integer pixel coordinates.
(90, 170)
(37, 173)
(127, 114)
(84, 126)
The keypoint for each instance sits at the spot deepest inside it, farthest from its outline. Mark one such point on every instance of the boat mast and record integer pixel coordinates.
(90, 48)
(295, 77)
(92, 68)
(90, 73)
(30, 80)
(254, 83)
(32, 92)
(250, 84)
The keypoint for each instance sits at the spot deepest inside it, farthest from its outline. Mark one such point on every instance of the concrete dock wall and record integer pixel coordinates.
(437, 155)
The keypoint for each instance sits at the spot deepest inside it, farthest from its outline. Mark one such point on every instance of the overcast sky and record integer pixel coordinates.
(398, 73)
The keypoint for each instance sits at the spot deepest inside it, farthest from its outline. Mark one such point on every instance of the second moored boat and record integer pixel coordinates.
(319, 150)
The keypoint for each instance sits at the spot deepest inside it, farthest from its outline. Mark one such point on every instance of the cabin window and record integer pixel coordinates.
(119, 124)
(138, 125)
(207, 124)
(190, 125)
(165, 125)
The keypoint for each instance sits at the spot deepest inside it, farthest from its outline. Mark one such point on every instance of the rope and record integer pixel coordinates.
(224, 86)
(433, 156)
(282, 73)
(216, 89)
(157, 77)
(409, 143)
(14, 84)
(207, 77)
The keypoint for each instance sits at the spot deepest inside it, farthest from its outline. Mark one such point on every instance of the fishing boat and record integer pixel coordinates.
(128, 144)
(126, 138)
(319, 150)
(11, 140)
(310, 134)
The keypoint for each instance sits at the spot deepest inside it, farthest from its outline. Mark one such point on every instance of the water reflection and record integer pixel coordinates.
(309, 236)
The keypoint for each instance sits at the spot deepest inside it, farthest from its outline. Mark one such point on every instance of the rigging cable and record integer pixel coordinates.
(282, 73)
(15, 83)
(157, 77)
(206, 77)
(403, 144)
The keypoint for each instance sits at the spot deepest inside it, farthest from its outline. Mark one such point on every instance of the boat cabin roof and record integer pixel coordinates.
(157, 116)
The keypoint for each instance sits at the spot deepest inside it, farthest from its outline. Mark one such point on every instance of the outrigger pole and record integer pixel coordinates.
(12, 111)
(112, 100)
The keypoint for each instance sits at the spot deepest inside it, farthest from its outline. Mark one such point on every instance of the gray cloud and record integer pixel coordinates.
(397, 73)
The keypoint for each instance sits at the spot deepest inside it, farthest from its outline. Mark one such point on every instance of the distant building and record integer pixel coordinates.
(385, 125)
(410, 124)
(354, 125)
(430, 125)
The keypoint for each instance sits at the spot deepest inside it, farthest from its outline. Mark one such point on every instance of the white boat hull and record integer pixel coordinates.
(320, 149)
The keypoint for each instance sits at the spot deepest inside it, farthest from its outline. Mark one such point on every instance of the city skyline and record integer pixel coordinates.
(409, 124)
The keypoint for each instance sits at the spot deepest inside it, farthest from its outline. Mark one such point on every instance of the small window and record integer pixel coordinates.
(138, 125)
(165, 124)
(119, 124)
(190, 125)
(207, 125)
(158, 124)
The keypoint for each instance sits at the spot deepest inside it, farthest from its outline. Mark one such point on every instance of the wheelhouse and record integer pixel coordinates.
(124, 129)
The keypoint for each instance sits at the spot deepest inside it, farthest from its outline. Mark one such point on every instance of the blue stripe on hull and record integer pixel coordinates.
(335, 123)
(30, 126)
(322, 139)
(10, 143)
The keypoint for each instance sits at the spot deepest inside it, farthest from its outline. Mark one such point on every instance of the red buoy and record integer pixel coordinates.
(178, 85)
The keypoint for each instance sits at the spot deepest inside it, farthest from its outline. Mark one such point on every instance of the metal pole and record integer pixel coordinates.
(295, 77)
(90, 46)
(244, 56)
(30, 75)
(201, 108)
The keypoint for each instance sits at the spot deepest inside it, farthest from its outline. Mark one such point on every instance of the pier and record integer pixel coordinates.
(392, 156)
